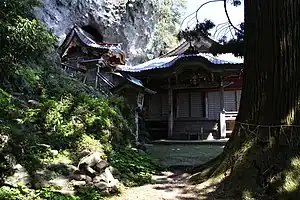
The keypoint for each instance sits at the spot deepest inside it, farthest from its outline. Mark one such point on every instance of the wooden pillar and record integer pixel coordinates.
(222, 104)
(136, 116)
(171, 117)
(96, 78)
(139, 104)
(222, 111)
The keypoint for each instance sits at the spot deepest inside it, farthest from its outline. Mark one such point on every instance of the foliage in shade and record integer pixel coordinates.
(200, 29)
(234, 46)
(22, 38)
(68, 116)
(11, 9)
(23, 193)
(138, 168)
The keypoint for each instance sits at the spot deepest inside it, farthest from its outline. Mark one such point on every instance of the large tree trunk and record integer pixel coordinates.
(261, 157)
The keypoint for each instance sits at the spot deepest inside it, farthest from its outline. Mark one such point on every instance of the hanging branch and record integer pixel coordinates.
(228, 18)
(197, 11)
(204, 5)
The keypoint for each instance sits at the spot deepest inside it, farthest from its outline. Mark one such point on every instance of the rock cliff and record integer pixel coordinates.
(130, 22)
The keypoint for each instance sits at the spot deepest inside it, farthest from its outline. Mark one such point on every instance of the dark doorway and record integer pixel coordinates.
(93, 33)
(157, 129)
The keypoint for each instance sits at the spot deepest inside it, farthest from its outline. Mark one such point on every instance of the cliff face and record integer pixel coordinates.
(130, 22)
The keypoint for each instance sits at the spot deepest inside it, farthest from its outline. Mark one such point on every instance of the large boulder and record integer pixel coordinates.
(101, 166)
(92, 171)
(90, 160)
(106, 183)
(96, 173)
(20, 176)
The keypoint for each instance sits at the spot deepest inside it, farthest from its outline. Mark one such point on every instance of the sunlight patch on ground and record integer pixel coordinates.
(184, 154)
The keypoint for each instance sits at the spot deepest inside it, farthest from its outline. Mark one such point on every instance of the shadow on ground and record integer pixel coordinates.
(176, 185)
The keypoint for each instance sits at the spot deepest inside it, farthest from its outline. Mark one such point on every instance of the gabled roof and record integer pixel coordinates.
(111, 49)
(166, 62)
(203, 44)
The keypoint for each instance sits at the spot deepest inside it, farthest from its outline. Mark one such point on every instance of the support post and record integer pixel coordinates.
(136, 116)
(222, 111)
(96, 81)
(171, 117)
(139, 106)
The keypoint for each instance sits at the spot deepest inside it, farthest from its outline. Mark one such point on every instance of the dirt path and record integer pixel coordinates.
(174, 185)
(167, 186)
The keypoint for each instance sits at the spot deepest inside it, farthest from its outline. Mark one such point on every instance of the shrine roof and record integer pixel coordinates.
(85, 39)
(133, 81)
(166, 62)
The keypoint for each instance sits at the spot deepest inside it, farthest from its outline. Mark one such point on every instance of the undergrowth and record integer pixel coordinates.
(138, 168)
(24, 193)
(47, 117)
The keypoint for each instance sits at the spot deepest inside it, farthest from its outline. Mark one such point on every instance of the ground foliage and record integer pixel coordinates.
(24, 193)
(68, 116)
(138, 168)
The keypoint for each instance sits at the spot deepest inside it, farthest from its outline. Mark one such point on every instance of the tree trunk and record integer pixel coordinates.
(261, 157)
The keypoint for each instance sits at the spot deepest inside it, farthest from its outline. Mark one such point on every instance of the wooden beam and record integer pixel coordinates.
(171, 117)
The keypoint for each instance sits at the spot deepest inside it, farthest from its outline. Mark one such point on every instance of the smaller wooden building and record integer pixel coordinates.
(85, 56)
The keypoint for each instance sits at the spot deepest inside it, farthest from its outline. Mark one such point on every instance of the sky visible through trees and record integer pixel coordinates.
(215, 12)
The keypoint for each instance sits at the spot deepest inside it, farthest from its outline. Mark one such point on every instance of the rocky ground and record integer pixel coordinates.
(95, 172)
(91, 171)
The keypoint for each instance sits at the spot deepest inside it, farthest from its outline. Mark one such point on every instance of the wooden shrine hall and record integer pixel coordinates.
(198, 95)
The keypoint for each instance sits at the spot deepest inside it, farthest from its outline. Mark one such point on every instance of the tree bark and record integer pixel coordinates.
(260, 157)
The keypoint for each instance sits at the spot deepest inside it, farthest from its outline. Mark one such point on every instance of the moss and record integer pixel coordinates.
(292, 176)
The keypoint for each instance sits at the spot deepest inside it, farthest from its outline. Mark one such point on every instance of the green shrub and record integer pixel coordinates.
(68, 124)
(19, 193)
(24, 193)
(21, 37)
(70, 116)
(138, 168)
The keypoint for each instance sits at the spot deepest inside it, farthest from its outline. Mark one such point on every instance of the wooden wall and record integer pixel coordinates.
(193, 109)
(182, 126)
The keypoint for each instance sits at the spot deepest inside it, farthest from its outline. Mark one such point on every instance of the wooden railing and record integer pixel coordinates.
(231, 115)
(229, 120)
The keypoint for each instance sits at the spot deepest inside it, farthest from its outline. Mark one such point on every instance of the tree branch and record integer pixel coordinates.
(204, 5)
(197, 11)
(228, 18)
